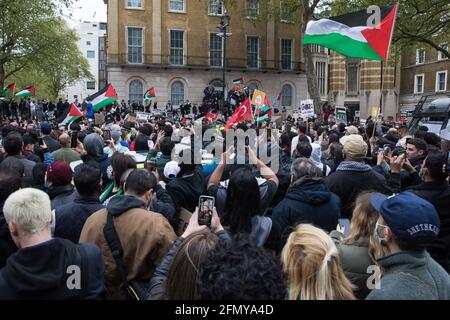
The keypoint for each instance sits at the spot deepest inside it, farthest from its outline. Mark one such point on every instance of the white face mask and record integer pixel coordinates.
(110, 173)
(378, 233)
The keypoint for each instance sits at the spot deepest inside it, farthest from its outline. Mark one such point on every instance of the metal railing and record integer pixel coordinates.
(201, 62)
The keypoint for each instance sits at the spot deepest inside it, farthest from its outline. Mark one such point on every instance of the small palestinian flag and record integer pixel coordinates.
(350, 35)
(74, 114)
(264, 112)
(239, 82)
(104, 97)
(9, 90)
(149, 96)
(27, 92)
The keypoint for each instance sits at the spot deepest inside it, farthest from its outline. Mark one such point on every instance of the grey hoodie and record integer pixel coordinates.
(93, 144)
(412, 276)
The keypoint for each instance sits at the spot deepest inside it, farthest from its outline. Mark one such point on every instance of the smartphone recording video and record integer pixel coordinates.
(205, 210)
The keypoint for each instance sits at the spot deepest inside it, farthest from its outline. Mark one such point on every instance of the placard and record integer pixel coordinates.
(307, 108)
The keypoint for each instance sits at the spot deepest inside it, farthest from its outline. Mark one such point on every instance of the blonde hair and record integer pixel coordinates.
(363, 226)
(29, 209)
(311, 261)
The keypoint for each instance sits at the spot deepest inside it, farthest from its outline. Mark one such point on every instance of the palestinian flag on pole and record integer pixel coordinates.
(104, 97)
(265, 112)
(149, 95)
(351, 35)
(239, 82)
(9, 90)
(74, 114)
(27, 92)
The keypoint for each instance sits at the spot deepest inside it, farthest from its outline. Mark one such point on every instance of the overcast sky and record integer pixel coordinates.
(88, 10)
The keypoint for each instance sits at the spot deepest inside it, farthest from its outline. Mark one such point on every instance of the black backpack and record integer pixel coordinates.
(135, 289)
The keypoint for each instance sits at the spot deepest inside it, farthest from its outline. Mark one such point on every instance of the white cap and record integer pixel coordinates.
(171, 169)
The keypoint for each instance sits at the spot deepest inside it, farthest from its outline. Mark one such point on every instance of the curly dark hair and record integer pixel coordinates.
(240, 270)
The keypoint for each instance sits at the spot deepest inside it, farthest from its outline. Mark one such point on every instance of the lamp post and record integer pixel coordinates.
(224, 23)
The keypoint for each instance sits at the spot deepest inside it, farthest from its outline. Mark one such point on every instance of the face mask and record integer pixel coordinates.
(380, 238)
(109, 173)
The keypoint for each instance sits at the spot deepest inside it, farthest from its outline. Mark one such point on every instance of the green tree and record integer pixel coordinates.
(418, 21)
(66, 65)
(26, 29)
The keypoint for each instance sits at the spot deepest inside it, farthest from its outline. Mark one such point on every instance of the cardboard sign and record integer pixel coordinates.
(375, 111)
(99, 119)
(357, 114)
(307, 108)
(258, 98)
(341, 115)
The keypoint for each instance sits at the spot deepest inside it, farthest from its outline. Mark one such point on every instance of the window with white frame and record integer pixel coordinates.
(252, 8)
(135, 45)
(418, 83)
(135, 4)
(286, 95)
(420, 56)
(252, 52)
(176, 47)
(286, 13)
(215, 50)
(136, 92)
(88, 43)
(441, 81)
(177, 93)
(176, 5)
(441, 55)
(215, 8)
(90, 54)
(320, 77)
(286, 54)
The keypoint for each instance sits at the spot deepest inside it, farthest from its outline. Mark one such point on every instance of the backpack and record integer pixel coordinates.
(71, 250)
(134, 289)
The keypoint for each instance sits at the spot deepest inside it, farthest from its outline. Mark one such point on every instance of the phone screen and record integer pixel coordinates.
(106, 135)
(74, 139)
(205, 210)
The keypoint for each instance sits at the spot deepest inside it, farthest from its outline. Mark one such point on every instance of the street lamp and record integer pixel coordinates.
(224, 23)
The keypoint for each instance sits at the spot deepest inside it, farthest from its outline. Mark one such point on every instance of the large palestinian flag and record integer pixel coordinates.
(349, 34)
(9, 90)
(74, 114)
(104, 97)
(27, 92)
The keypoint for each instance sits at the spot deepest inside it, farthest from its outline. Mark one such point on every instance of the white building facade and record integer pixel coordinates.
(91, 44)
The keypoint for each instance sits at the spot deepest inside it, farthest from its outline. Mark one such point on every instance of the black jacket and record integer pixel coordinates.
(186, 190)
(349, 184)
(311, 203)
(61, 195)
(42, 272)
(438, 193)
(52, 144)
(70, 217)
(7, 245)
(164, 204)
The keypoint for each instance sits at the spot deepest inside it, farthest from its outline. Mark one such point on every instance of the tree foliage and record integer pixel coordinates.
(418, 21)
(35, 41)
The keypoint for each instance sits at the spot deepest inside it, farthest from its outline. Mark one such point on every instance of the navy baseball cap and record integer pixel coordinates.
(46, 128)
(411, 218)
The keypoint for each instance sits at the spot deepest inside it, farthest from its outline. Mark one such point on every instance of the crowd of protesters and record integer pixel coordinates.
(119, 202)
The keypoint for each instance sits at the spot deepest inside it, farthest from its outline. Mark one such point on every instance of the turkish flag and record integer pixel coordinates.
(242, 113)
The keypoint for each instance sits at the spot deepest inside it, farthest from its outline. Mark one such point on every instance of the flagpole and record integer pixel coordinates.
(381, 87)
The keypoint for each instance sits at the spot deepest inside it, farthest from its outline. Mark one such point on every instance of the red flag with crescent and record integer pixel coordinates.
(242, 113)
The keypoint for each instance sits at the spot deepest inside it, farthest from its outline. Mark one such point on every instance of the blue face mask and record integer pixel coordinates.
(378, 232)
